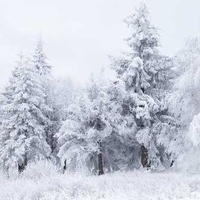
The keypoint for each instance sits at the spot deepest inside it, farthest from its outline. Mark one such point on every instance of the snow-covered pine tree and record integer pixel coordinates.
(76, 152)
(140, 73)
(72, 145)
(82, 135)
(41, 66)
(23, 137)
(99, 124)
(184, 103)
(184, 99)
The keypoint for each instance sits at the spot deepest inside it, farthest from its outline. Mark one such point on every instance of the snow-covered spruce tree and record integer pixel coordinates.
(71, 141)
(41, 66)
(184, 103)
(99, 124)
(185, 98)
(23, 137)
(144, 73)
(82, 135)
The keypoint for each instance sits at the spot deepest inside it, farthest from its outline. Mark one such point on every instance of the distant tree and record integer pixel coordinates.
(39, 59)
(40, 64)
(65, 93)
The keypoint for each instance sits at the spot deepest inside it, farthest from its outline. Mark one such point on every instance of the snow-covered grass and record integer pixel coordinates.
(48, 184)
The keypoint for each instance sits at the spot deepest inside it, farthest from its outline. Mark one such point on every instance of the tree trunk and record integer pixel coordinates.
(100, 159)
(22, 167)
(171, 164)
(144, 156)
(65, 166)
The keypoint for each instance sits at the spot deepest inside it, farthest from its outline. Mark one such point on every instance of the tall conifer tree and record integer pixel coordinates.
(23, 137)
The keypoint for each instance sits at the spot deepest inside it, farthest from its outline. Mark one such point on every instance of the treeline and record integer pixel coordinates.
(138, 119)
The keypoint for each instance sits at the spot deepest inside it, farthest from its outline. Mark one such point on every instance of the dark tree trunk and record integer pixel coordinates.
(22, 167)
(171, 164)
(65, 165)
(100, 159)
(144, 156)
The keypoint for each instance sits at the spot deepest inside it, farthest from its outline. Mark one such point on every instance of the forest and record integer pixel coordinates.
(145, 119)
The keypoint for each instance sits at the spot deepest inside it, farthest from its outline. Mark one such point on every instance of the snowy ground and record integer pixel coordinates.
(118, 186)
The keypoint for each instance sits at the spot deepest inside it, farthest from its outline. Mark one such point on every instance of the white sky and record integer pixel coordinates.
(79, 34)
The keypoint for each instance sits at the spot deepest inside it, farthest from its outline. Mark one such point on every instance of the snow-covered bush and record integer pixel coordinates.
(117, 186)
(189, 159)
(40, 169)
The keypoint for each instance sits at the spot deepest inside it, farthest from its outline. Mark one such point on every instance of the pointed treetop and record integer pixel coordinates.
(39, 58)
(144, 38)
(141, 15)
(193, 43)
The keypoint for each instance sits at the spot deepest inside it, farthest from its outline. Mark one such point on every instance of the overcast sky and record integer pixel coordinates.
(79, 34)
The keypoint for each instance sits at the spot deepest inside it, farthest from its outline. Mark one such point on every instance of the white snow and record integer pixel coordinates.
(43, 182)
